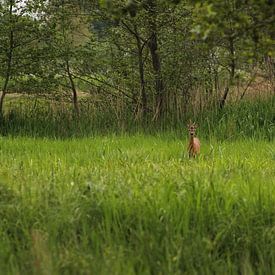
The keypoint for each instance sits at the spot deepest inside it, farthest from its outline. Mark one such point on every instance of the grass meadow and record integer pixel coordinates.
(136, 204)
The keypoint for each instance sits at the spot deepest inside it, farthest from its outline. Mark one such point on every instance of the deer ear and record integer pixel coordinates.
(190, 123)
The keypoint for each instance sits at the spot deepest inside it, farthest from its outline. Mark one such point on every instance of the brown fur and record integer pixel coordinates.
(194, 143)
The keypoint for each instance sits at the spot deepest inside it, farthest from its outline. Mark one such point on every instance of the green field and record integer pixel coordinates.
(99, 101)
(136, 205)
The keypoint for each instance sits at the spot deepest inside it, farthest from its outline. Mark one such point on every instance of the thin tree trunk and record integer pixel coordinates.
(158, 78)
(9, 61)
(4, 91)
(74, 92)
(68, 69)
(153, 47)
(231, 73)
(141, 76)
(140, 46)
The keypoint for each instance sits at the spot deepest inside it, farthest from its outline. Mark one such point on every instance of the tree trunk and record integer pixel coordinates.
(141, 76)
(74, 92)
(158, 77)
(153, 47)
(142, 100)
(231, 73)
(9, 61)
(4, 91)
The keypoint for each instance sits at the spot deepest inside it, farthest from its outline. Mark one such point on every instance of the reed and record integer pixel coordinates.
(40, 118)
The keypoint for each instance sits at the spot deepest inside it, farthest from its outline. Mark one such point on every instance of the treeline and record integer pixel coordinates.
(150, 58)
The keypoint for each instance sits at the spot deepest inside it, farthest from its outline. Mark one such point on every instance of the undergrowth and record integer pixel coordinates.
(43, 119)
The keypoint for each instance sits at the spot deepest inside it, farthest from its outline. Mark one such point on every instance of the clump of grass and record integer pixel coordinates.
(253, 119)
(136, 205)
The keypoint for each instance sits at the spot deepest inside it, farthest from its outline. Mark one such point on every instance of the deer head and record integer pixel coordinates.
(192, 128)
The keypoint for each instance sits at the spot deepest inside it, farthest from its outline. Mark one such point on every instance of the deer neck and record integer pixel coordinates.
(192, 137)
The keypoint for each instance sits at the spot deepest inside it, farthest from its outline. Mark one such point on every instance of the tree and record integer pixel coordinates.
(244, 29)
(7, 27)
(67, 35)
(19, 39)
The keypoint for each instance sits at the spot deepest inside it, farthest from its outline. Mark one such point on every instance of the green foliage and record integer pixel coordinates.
(109, 189)
(25, 46)
(246, 20)
(148, 53)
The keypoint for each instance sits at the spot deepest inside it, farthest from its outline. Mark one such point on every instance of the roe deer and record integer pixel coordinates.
(194, 143)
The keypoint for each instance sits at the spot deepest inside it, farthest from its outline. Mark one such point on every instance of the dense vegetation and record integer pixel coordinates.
(95, 98)
(157, 59)
(47, 119)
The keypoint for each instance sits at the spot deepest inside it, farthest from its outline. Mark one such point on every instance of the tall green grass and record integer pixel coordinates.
(136, 205)
(43, 119)
(111, 195)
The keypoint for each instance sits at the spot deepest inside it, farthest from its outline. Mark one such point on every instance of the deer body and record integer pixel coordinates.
(194, 143)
